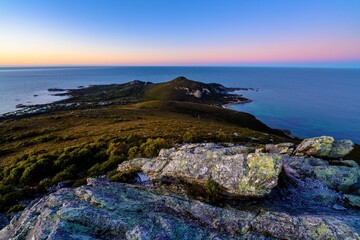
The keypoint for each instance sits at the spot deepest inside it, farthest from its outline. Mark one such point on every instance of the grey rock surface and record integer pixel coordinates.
(107, 210)
(344, 179)
(297, 198)
(239, 173)
(324, 147)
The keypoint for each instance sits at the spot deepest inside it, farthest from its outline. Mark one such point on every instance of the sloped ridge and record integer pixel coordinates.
(183, 89)
(178, 89)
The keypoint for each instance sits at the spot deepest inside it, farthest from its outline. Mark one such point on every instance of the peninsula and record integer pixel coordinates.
(200, 169)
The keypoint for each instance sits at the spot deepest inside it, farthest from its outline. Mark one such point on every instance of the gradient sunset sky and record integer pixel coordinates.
(190, 33)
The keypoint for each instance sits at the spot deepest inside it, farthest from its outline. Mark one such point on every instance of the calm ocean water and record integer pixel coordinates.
(307, 101)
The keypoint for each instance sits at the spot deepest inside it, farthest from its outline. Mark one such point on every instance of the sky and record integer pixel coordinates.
(180, 32)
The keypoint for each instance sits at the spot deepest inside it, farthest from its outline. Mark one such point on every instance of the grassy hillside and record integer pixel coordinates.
(169, 119)
(39, 151)
(179, 89)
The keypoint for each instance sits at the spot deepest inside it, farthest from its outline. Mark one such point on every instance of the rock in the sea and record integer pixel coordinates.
(324, 147)
(239, 173)
(106, 210)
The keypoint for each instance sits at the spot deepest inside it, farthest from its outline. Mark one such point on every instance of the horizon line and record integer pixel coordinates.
(251, 66)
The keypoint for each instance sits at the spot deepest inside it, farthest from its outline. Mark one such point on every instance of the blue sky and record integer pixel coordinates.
(159, 32)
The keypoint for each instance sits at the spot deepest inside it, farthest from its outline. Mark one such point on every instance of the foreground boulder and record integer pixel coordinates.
(236, 171)
(344, 179)
(106, 210)
(324, 147)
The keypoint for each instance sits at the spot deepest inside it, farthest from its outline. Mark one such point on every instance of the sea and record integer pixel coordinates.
(307, 101)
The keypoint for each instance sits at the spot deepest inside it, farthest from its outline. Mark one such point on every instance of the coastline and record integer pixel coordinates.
(287, 132)
(23, 110)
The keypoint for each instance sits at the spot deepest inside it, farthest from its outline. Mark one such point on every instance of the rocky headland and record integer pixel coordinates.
(209, 191)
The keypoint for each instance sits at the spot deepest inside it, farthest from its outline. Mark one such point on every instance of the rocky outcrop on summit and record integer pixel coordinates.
(238, 172)
(297, 198)
(324, 147)
(107, 210)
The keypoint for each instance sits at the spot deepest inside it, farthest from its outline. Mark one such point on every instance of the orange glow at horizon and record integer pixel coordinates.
(205, 33)
(36, 48)
(173, 57)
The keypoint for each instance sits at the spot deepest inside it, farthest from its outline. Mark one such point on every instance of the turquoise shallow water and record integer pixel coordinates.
(307, 101)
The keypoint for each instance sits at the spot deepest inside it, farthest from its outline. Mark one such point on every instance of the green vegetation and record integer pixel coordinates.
(37, 152)
(210, 192)
(179, 89)
(126, 176)
(41, 169)
(213, 191)
(16, 208)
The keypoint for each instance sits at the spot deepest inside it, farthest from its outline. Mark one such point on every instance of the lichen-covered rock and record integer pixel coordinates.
(106, 210)
(324, 147)
(340, 178)
(317, 146)
(303, 191)
(166, 152)
(239, 173)
(284, 226)
(132, 164)
(344, 179)
(282, 148)
(341, 148)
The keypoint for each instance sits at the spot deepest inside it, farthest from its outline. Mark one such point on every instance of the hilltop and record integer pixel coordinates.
(101, 126)
(178, 89)
(62, 144)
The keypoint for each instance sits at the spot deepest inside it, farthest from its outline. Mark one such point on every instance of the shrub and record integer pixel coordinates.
(15, 175)
(222, 137)
(67, 174)
(134, 139)
(6, 151)
(152, 147)
(188, 137)
(9, 199)
(41, 169)
(5, 189)
(80, 182)
(134, 152)
(16, 208)
(102, 168)
(213, 191)
(125, 176)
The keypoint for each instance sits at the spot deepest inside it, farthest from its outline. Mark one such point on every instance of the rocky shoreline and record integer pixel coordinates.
(210, 191)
